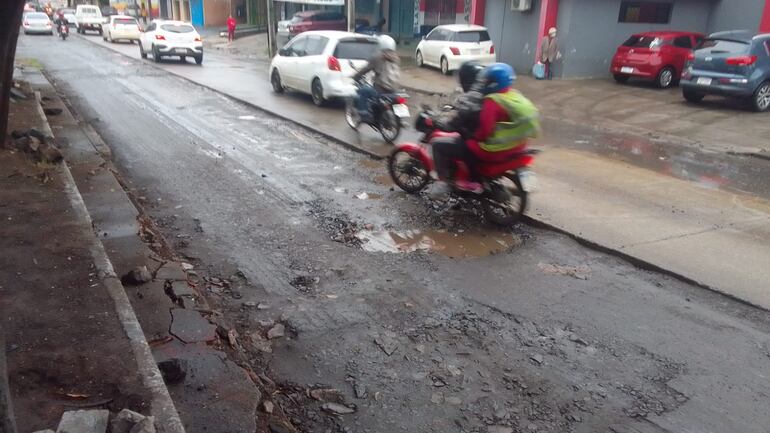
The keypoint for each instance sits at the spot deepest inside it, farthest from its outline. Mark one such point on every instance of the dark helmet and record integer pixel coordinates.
(468, 73)
(499, 76)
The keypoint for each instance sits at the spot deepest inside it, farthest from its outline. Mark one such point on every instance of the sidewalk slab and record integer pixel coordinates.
(609, 203)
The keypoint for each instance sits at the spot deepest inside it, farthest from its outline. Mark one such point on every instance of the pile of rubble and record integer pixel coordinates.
(35, 143)
(96, 421)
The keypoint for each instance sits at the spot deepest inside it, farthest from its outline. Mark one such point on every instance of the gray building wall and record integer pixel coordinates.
(514, 33)
(590, 32)
(735, 15)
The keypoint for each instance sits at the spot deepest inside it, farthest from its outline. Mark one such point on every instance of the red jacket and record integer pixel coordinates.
(491, 113)
(231, 24)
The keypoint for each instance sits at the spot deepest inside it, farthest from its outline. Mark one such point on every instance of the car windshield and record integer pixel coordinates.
(37, 16)
(361, 49)
(722, 46)
(637, 41)
(89, 11)
(177, 28)
(125, 21)
(475, 36)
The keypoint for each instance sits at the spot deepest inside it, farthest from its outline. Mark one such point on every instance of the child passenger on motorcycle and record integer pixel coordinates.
(387, 74)
(505, 123)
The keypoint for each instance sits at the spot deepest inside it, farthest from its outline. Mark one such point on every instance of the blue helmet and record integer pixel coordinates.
(499, 76)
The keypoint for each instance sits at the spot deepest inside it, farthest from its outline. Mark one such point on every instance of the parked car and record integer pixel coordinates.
(449, 46)
(316, 20)
(164, 38)
(732, 64)
(321, 63)
(122, 27)
(658, 56)
(108, 11)
(37, 22)
(29, 7)
(69, 15)
(88, 17)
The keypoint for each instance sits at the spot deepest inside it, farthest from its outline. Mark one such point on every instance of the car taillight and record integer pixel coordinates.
(114, 25)
(742, 60)
(400, 100)
(455, 51)
(333, 64)
(492, 49)
(198, 39)
(160, 37)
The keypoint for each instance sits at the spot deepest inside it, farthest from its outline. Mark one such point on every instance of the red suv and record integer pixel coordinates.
(317, 20)
(658, 56)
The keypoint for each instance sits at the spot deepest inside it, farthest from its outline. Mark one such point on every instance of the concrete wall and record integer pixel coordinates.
(514, 33)
(589, 32)
(735, 15)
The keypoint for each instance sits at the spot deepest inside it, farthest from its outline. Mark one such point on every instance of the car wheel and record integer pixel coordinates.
(183, 59)
(275, 80)
(418, 58)
(317, 92)
(155, 54)
(761, 99)
(693, 97)
(101, 31)
(445, 66)
(620, 78)
(142, 53)
(199, 60)
(665, 78)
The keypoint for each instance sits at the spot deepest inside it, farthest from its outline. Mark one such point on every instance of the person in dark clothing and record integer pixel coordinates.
(387, 73)
(463, 119)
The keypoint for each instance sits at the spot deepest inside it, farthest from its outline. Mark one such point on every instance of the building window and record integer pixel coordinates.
(645, 12)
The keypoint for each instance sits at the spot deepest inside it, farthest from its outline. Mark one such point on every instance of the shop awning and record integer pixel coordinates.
(317, 2)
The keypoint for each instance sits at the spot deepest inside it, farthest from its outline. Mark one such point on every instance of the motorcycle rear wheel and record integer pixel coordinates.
(390, 126)
(505, 201)
(408, 171)
(351, 114)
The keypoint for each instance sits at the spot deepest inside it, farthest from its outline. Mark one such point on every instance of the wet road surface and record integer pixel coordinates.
(537, 332)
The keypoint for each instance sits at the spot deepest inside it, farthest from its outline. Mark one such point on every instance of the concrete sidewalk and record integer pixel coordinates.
(717, 238)
(71, 333)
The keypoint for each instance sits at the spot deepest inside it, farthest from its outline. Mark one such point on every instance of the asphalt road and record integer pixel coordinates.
(543, 335)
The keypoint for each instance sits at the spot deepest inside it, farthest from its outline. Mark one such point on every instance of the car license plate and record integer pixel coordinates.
(401, 110)
(475, 52)
(627, 70)
(703, 81)
(180, 50)
(528, 180)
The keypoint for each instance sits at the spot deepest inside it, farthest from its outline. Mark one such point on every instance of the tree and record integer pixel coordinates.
(10, 21)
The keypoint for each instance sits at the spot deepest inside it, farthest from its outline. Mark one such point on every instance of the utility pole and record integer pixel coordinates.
(271, 45)
(351, 15)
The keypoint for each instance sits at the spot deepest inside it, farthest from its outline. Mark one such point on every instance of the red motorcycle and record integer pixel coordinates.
(505, 184)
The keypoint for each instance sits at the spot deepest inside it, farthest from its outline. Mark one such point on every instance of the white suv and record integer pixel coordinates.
(121, 27)
(171, 39)
(448, 47)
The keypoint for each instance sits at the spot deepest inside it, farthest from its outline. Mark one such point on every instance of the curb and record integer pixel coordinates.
(161, 406)
(640, 263)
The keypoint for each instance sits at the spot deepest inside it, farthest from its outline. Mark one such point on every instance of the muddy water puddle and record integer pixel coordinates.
(370, 163)
(455, 245)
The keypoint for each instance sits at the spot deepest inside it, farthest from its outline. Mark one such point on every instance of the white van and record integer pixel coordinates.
(88, 17)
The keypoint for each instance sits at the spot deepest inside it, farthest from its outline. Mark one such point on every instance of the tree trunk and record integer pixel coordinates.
(10, 21)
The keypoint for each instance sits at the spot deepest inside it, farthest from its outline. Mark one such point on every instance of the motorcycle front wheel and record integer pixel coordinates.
(505, 200)
(352, 117)
(390, 126)
(408, 171)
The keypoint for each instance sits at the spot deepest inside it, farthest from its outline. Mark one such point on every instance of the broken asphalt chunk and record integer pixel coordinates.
(84, 421)
(125, 421)
(190, 327)
(171, 271)
(276, 331)
(137, 276)
(387, 344)
(337, 409)
(537, 358)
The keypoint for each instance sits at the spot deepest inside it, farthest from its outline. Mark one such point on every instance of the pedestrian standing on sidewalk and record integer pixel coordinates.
(144, 13)
(549, 52)
(230, 28)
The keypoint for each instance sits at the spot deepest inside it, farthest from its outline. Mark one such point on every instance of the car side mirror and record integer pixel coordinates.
(284, 52)
(423, 38)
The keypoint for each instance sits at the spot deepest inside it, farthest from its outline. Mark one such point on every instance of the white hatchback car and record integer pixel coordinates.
(448, 47)
(36, 22)
(321, 63)
(122, 27)
(164, 38)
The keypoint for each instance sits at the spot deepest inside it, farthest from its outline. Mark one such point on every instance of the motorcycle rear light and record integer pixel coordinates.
(742, 60)
(691, 56)
(492, 49)
(333, 64)
(455, 51)
(400, 100)
(160, 38)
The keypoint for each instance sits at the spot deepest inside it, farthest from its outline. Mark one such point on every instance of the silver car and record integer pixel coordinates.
(37, 22)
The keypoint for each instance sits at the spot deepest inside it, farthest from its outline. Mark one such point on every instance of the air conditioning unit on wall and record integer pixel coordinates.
(521, 5)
